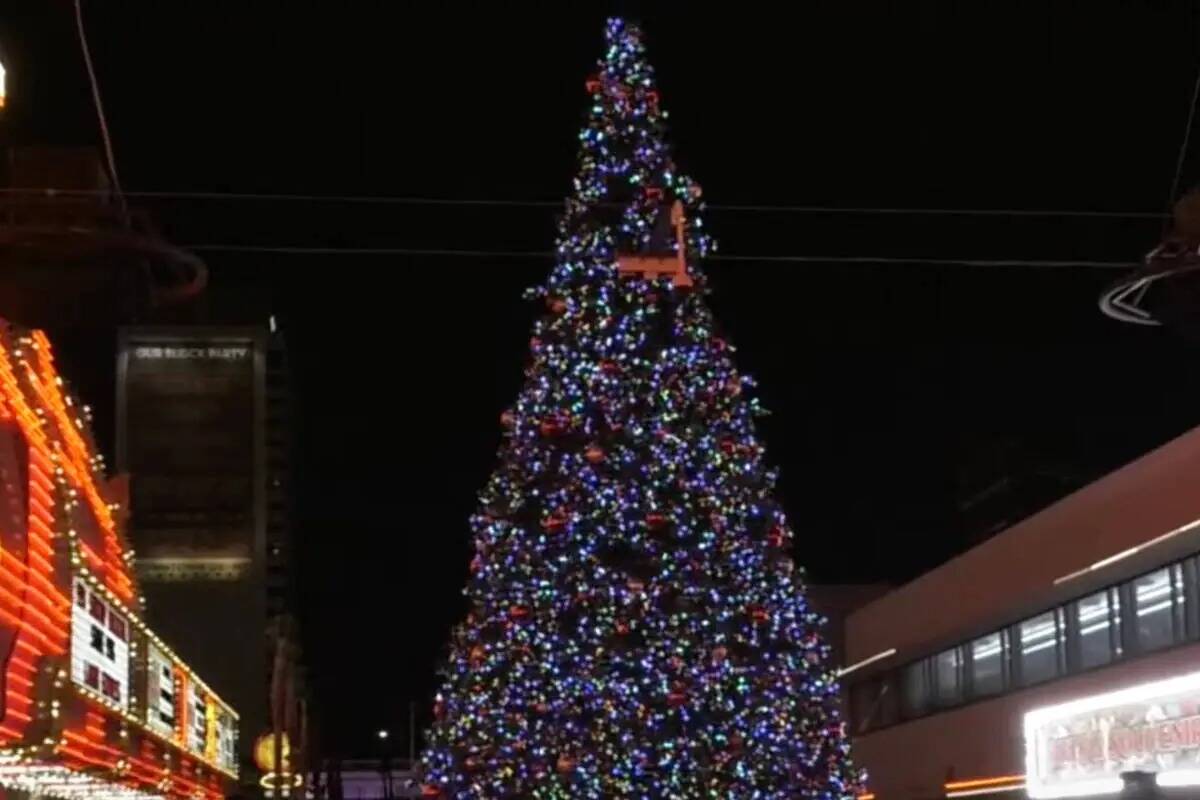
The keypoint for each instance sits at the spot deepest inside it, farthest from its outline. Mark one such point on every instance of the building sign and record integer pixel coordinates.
(161, 692)
(224, 738)
(188, 437)
(1082, 747)
(99, 646)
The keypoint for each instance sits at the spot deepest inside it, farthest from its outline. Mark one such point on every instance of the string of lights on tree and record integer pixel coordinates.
(637, 628)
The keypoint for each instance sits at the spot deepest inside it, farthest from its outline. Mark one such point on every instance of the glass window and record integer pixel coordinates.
(1040, 645)
(987, 664)
(116, 624)
(888, 710)
(915, 691)
(1184, 586)
(97, 608)
(1152, 597)
(863, 699)
(948, 672)
(1097, 629)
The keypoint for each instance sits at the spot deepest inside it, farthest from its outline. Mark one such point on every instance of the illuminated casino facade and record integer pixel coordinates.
(94, 704)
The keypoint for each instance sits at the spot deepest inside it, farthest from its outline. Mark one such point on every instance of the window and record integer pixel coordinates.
(987, 664)
(1097, 629)
(116, 624)
(1158, 601)
(915, 699)
(112, 689)
(97, 639)
(873, 703)
(1040, 648)
(1144, 614)
(887, 711)
(948, 670)
(80, 595)
(110, 649)
(862, 705)
(97, 608)
(91, 676)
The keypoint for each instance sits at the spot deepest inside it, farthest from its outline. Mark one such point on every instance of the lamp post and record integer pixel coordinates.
(385, 763)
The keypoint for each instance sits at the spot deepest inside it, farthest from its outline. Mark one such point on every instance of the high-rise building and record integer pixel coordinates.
(204, 434)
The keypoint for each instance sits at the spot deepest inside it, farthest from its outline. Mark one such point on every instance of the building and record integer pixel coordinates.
(95, 705)
(203, 432)
(368, 779)
(1051, 658)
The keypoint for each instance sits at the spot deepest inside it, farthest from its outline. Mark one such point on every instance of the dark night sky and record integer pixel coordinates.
(888, 383)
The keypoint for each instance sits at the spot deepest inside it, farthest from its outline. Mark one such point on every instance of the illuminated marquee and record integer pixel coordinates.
(1082, 747)
(92, 703)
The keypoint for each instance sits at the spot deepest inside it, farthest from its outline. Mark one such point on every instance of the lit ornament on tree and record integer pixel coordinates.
(636, 629)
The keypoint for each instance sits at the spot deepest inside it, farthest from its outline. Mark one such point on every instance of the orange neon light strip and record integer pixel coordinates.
(36, 631)
(47, 386)
(91, 750)
(38, 609)
(978, 783)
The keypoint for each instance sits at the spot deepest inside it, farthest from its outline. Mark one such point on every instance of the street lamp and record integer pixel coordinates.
(382, 734)
(3, 92)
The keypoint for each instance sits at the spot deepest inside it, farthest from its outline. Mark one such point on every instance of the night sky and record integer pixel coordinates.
(899, 392)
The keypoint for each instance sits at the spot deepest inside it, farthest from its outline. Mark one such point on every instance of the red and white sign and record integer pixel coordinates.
(1082, 747)
(99, 646)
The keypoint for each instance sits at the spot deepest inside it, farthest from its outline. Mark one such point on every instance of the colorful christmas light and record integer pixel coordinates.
(637, 629)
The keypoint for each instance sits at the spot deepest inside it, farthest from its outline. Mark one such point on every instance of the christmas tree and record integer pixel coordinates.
(636, 626)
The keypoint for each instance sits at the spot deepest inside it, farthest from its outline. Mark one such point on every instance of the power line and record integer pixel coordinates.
(783, 259)
(934, 262)
(1183, 147)
(95, 84)
(949, 212)
(365, 251)
(557, 204)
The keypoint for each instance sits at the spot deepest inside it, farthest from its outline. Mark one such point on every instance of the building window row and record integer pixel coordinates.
(1150, 612)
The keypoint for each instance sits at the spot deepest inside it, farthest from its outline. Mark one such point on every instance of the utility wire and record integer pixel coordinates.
(500, 202)
(786, 259)
(95, 84)
(1183, 147)
(948, 212)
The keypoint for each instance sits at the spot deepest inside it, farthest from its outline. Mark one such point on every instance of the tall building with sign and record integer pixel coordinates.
(202, 432)
(1049, 661)
(94, 703)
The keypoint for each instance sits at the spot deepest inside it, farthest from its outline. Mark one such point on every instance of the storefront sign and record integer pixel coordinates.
(1082, 747)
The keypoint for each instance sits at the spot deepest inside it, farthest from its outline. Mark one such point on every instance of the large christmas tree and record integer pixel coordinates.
(637, 629)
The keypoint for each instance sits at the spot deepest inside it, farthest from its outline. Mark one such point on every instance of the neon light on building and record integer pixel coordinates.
(92, 703)
(1082, 747)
